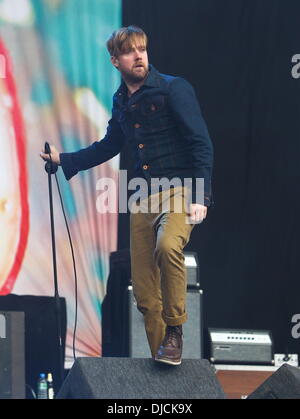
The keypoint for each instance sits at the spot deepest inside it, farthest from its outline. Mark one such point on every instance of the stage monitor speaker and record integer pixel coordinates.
(12, 355)
(192, 329)
(128, 378)
(283, 384)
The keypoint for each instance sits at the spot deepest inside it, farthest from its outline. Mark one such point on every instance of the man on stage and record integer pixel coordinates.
(159, 116)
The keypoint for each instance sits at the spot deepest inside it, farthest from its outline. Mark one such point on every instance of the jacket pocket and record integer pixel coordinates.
(152, 106)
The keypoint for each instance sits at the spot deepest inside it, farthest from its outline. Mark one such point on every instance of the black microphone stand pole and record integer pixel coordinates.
(51, 168)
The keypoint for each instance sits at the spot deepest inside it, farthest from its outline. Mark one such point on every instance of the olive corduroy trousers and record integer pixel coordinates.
(158, 234)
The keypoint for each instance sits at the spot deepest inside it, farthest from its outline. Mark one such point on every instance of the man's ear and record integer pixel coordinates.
(114, 60)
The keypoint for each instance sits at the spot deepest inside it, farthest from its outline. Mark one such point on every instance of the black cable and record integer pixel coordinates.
(74, 268)
(73, 260)
(31, 391)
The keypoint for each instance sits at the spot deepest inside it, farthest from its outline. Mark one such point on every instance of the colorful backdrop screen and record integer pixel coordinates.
(56, 85)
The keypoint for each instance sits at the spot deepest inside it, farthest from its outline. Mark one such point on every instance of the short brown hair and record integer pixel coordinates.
(122, 39)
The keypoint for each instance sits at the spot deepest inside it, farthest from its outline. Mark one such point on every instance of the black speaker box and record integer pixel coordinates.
(12, 355)
(192, 329)
(283, 384)
(133, 378)
(41, 347)
(114, 308)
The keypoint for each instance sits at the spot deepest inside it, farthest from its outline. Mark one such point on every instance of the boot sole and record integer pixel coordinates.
(168, 361)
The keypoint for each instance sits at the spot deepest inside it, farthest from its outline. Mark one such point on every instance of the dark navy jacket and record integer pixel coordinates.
(163, 123)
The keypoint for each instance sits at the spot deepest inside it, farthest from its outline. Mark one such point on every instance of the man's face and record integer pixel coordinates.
(132, 63)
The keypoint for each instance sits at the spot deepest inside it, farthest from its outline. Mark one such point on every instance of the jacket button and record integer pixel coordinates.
(141, 145)
(145, 167)
(136, 125)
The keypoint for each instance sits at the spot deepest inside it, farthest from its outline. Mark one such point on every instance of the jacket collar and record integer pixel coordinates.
(153, 77)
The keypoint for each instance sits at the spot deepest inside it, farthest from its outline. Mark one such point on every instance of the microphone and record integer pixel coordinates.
(50, 166)
(47, 148)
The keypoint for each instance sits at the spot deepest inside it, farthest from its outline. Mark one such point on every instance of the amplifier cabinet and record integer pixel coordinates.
(191, 263)
(240, 346)
(192, 329)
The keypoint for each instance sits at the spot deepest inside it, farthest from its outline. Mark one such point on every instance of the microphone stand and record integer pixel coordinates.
(51, 168)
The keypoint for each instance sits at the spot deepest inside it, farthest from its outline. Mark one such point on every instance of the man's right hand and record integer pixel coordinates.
(54, 155)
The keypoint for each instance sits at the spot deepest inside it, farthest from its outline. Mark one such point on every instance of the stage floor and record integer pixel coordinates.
(239, 381)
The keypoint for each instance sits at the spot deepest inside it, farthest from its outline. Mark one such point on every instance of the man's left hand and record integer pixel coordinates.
(197, 213)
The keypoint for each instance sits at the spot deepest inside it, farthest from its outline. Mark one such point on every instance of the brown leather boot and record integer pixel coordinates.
(170, 351)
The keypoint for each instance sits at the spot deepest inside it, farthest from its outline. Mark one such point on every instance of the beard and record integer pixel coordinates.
(136, 74)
